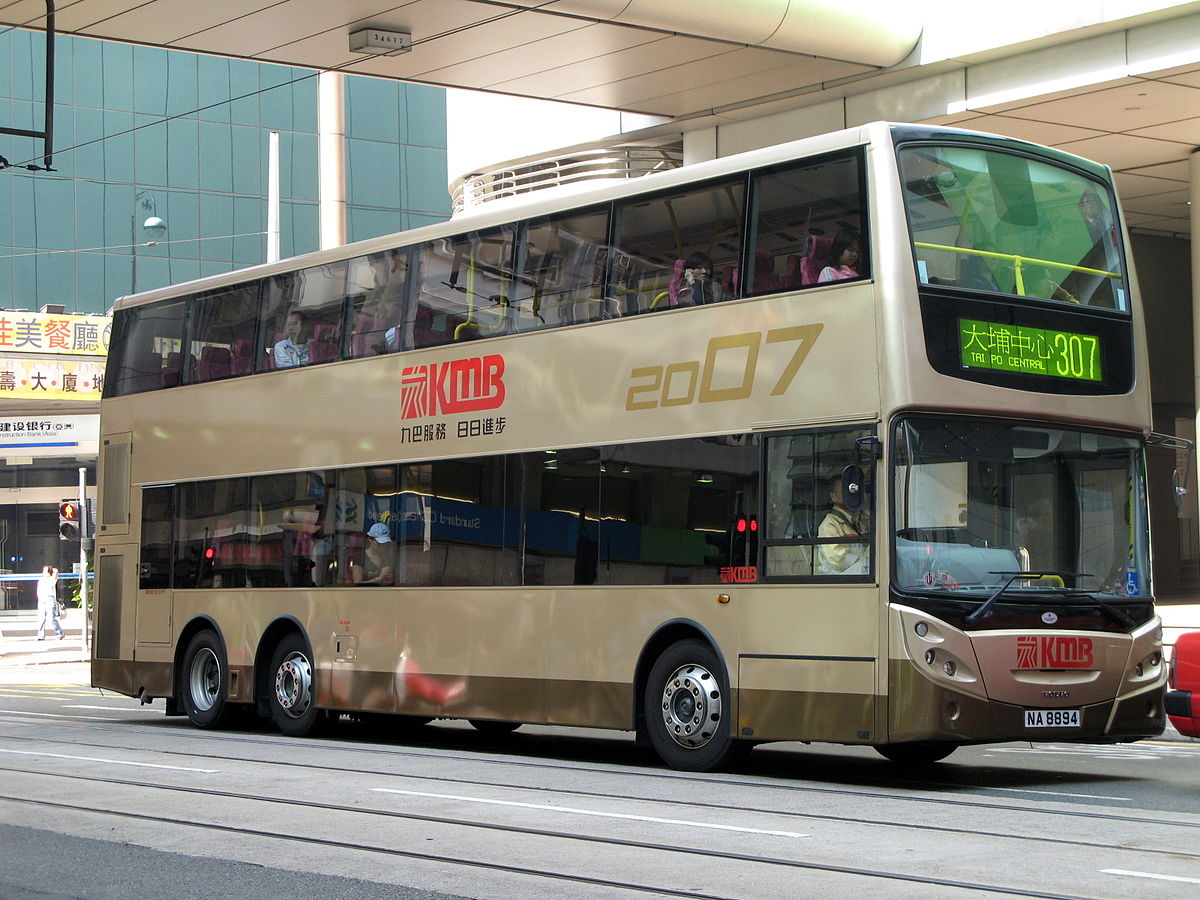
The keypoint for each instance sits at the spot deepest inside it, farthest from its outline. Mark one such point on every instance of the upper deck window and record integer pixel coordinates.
(1002, 222)
(302, 316)
(464, 288)
(679, 249)
(808, 227)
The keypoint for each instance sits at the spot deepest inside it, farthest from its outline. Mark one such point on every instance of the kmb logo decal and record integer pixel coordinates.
(1035, 652)
(458, 386)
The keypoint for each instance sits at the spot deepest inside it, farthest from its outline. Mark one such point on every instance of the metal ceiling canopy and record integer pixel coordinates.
(652, 56)
(870, 32)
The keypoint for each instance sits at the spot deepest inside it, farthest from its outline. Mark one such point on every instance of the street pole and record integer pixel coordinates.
(84, 542)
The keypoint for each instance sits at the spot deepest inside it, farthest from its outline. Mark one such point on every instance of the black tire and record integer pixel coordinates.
(687, 711)
(494, 727)
(290, 688)
(203, 682)
(916, 754)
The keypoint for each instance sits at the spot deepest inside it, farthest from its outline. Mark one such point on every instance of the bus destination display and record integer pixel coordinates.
(1030, 351)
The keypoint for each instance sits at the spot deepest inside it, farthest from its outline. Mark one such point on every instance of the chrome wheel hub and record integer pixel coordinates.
(691, 706)
(293, 685)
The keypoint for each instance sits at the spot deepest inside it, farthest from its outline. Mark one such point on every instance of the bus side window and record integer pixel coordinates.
(463, 287)
(656, 233)
(562, 274)
(377, 286)
(801, 209)
(810, 531)
(220, 321)
(302, 316)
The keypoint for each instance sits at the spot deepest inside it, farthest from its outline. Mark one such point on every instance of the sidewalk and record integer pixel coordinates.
(20, 647)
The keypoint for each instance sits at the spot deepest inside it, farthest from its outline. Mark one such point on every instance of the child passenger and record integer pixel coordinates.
(844, 254)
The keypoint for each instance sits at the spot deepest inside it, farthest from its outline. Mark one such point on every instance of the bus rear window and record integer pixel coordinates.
(146, 347)
(1005, 223)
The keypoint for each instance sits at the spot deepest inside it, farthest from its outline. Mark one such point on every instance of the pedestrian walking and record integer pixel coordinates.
(47, 603)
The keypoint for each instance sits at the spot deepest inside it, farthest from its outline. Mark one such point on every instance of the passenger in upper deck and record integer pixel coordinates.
(293, 349)
(694, 285)
(844, 253)
(1101, 255)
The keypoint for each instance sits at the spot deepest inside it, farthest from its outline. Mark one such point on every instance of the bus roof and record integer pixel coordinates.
(539, 206)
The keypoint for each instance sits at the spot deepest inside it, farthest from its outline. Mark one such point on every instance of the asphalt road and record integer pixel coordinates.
(103, 798)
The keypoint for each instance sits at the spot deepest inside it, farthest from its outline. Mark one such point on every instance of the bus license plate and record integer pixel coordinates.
(1051, 718)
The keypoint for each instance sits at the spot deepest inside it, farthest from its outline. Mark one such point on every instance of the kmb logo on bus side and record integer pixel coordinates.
(457, 386)
(1034, 652)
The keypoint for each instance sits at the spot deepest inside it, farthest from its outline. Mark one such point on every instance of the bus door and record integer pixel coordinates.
(113, 635)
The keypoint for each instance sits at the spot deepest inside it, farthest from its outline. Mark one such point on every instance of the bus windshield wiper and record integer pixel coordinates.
(984, 608)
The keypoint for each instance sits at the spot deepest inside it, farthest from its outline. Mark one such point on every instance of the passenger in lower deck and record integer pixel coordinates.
(378, 564)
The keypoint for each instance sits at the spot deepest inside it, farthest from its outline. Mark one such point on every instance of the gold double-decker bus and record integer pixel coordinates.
(841, 440)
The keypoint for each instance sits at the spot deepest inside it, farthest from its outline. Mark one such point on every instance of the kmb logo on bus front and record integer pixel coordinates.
(1058, 652)
(457, 386)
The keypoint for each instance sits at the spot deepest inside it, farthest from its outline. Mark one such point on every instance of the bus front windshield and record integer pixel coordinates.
(1005, 223)
(978, 501)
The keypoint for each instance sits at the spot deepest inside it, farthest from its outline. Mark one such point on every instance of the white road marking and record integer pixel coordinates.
(17, 713)
(1153, 875)
(115, 762)
(1061, 794)
(592, 812)
(105, 708)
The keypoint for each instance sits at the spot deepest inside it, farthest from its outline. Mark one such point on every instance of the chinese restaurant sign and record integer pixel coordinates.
(45, 356)
(27, 332)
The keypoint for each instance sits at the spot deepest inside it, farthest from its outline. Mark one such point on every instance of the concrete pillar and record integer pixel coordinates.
(699, 146)
(1194, 215)
(331, 158)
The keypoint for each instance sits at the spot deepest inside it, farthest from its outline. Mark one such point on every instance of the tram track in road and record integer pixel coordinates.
(925, 881)
(526, 764)
(561, 796)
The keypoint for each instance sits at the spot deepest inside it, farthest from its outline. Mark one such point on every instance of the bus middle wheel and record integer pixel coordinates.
(290, 692)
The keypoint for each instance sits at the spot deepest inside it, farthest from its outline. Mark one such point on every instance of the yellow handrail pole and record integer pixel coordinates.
(1018, 276)
(1010, 257)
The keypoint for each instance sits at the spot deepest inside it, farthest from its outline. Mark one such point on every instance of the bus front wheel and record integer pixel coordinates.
(686, 711)
(204, 680)
(290, 692)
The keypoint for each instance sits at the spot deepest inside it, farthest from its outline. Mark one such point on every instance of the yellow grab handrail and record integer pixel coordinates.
(1018, 262)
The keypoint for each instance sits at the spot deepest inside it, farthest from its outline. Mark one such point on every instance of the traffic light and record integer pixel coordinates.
(69, 517)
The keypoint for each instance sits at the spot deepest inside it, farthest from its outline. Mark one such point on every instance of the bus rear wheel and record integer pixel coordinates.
(204, 681)
(290, 691)
(686, 715)
(916, 754)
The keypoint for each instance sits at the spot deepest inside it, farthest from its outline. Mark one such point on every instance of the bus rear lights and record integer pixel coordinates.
(921, 629)
(930, 657)
(952, 711)
(950, 668)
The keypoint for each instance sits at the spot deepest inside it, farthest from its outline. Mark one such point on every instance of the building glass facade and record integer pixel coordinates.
(142, 133)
